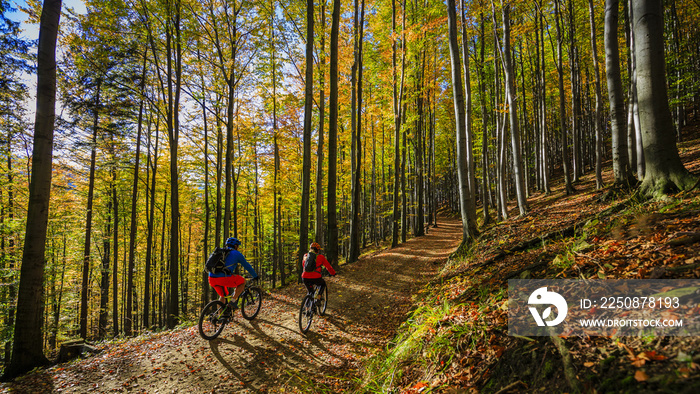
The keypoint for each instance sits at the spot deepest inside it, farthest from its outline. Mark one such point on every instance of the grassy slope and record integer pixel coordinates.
(456, 337)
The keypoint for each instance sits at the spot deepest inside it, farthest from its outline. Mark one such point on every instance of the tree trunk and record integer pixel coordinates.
(204, 296)
(598, 102)
(513, 111)
(88, 219)
(173, 136)
(322, 116)
(277, 198)
(575, 94)
(664, 170)
(355, 227)
(398, 119)
(636, 130)
(621, 165)
(134, 200)
(468, 222)
(484, 126)
(308, 101)
(104, 274)
(468, 113)
(147, 304)
(28, 340)
(544, 153)
(562, 109)
(332, 248)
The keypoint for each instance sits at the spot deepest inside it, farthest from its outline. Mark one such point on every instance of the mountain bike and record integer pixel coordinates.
(216, 314)
(314, 303)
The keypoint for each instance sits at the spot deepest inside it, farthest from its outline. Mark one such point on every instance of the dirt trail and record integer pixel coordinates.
(367, 302)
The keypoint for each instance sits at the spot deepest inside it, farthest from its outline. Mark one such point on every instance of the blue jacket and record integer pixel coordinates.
(232, 260)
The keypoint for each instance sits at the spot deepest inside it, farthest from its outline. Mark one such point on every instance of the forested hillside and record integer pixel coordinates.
(159, 128)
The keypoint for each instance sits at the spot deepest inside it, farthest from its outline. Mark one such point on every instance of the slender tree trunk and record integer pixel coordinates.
(11, 256)
(115, 214)
(468, 112)
(621, 165)
(173, 136)
(468, 222)
(398, 118)
(148, 285)
(88, 219)
(598, 102)
(484, 125)
(27, 348)
(332, 244)
(104, 274)
(543, 105)
(575, 94)
(513, 111)
(308, 101)
(204, 296)
(322, 116)
(562, 106)
(134, 200)
(500, 127)
(636, 130)
(356, 148)
(277, 198)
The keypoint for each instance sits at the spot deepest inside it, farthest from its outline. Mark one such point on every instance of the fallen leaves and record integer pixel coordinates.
(641, 376)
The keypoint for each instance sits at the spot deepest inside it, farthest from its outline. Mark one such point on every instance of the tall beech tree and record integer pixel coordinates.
(513, 113)
(321, 121)
(355, 228)
(621, 164)
(332, 248)
(598, 101)
(562, 102)
(27, 347)
(308, 105)
(664, 170)
(397, 107)
(465, 198)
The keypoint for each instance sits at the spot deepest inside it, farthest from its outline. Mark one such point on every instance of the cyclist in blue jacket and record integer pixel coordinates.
(220, 282)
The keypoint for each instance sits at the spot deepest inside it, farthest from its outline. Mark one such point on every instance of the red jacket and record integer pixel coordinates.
(320, 262)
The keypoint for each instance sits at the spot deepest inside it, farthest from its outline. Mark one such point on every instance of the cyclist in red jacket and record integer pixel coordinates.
(313, 277)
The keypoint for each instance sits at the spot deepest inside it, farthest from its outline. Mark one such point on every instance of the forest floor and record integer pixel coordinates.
(368, 300)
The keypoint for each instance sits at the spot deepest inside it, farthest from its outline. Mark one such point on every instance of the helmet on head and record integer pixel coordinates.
(231, 242)
(315, 245)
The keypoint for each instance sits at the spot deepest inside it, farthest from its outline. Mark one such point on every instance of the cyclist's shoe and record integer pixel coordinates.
(233, 305)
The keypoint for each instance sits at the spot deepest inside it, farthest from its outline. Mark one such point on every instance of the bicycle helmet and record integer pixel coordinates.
(315, 245)
(231, 242)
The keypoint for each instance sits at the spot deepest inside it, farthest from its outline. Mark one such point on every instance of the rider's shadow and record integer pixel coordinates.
(256, 325)
(237, 342)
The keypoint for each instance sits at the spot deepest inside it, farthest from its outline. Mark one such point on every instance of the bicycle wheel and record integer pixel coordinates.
(211, 320)
(250, 302)
(306, 313)
(322, 301)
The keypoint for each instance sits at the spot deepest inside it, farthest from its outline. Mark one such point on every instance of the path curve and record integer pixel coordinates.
(367, 302)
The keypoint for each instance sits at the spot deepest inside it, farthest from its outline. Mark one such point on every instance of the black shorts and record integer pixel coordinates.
(308, 282)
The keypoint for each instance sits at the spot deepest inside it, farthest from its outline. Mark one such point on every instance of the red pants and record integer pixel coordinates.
(222, 284)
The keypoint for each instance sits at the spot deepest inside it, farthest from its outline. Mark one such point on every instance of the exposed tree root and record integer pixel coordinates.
(685, 239)
(661, 187)
(569, 371)
(516, 387)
